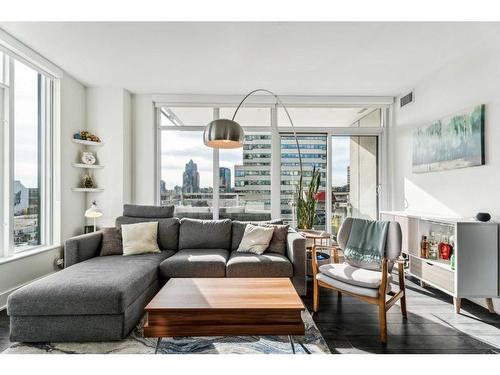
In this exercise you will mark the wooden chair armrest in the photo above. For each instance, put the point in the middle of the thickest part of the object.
(314, 261)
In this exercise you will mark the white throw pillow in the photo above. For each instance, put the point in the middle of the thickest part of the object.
(140, 238)
(256, 239)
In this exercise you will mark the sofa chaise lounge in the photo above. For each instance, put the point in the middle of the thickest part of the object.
(101, 298)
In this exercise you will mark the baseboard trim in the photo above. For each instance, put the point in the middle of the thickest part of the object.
(5, 295)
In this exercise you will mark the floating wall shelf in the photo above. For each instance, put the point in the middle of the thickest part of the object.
(85, 190)
(86, 143)
(87, 166)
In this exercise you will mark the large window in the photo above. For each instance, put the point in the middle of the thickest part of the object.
(186, 172)
(238, 183)
(26, 107)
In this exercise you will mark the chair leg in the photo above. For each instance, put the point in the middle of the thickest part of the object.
(402, 287)
(315, 295)
(383, 322)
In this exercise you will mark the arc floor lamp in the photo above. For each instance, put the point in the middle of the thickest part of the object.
(226, 134)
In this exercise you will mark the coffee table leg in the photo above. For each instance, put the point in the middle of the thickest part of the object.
(301, 344)
(157, 344)
(291, 343)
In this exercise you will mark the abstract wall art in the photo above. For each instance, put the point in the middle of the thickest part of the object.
(455, 141)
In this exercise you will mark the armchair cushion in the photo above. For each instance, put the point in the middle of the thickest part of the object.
(350, 288)
(353, 275)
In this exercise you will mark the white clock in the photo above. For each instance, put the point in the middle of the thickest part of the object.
(88, 158)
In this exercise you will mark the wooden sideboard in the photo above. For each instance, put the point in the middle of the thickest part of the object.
(475, 274)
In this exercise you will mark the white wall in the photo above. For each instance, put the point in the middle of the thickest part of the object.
(472, 80)
(19, 271)
(73, 119)
(144, 150)
(109, 116)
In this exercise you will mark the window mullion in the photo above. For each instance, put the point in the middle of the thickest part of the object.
(215, 169)
(8, 201)
(275, 166)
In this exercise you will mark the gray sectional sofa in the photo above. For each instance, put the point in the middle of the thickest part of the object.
(100, 298)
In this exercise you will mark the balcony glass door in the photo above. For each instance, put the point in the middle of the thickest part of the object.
(354, 178)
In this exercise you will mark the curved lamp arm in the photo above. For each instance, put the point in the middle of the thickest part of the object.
(278, 100)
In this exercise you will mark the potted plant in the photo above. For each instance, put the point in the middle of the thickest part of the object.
(306, 201)
(306, 214)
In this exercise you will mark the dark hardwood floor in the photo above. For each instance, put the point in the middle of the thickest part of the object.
(351, 326)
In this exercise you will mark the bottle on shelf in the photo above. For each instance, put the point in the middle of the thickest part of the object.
(433, 247)
(444, 248)
(424, 247)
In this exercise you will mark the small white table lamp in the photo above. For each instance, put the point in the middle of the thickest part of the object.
(93, 212)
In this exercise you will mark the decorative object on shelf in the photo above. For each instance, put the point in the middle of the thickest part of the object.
(483, 216)
(306, 201)
(93, 212)
(88, 158)
(452, 142)
(85, 135)
(88, 181)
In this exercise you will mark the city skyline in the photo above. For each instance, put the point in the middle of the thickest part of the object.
(177, 145)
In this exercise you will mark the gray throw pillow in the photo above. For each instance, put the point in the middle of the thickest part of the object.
(278, 241)
(111, 242)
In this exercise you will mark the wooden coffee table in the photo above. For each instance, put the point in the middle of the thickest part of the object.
(225, 307)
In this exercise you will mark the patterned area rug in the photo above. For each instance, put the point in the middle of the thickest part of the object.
(137, 344)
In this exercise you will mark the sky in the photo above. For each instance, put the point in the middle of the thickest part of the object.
(26, 125)
(178, 147)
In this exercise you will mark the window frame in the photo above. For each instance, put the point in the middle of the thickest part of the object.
(49, 153)
(217, 101)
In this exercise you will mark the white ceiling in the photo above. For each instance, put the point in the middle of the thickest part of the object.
(231, 58)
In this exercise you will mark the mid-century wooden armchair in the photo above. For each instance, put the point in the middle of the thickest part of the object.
(366, 284)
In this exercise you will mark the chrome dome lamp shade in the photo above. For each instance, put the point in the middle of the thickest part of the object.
(223, 133)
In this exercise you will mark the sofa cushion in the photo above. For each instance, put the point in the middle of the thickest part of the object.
(140, 238)
(135, 210)
(238, 229)
(252, 265)
(168, 229)
(256, 239)
(204, 234)
(100, 285)
(353, 275)
(111, 243)
(278, 241)
(195, 263)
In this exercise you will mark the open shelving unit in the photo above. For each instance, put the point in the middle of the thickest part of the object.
(86, 144)
(475, 245)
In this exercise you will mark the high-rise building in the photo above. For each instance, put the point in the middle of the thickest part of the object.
(224, 180)
(191, 178)
(163, 187)
(313, 153)
(252, 180)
